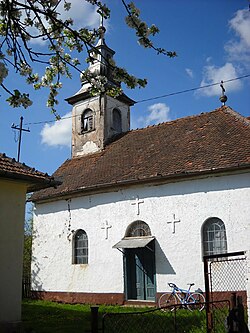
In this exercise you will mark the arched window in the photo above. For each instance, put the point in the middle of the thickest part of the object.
(87, 121)
(80, 251)
(138, 229)
(117, 121)
(214, 237)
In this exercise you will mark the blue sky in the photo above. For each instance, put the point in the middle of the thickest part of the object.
(212, 40)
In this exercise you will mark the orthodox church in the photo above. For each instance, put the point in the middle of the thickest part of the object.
(137, 209)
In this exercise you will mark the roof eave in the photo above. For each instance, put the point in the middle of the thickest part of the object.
(86, 94)
(34, 183)
(42, 185)
(154, 179)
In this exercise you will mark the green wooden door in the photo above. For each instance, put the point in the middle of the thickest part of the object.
(140, 273)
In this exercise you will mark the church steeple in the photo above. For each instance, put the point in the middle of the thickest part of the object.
(95, 119)
(100, 60)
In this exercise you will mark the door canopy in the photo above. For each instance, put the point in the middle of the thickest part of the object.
(138, 235)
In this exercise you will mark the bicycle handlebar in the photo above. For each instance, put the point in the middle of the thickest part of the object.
(172, 285)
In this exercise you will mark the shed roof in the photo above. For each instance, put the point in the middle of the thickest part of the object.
(11, 169)
(202, 144)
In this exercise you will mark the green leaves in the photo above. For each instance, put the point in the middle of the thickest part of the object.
(23, 22)
(3, 72)
(121, 75)
(18, 99)
(143, 31)
(102, 9)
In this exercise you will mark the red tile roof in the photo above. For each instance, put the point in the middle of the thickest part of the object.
(207, 143)
(36, 180)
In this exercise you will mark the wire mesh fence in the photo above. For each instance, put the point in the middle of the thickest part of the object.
(219, 316)
(178, 320)
(227, 276)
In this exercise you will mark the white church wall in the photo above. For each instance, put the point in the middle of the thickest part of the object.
(178, 249)
(248, 287)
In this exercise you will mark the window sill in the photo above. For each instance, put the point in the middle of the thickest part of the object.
(84, 132)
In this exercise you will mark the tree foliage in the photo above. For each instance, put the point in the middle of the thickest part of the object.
(24, 21)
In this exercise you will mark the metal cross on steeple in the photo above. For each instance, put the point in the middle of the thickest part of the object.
(101, 19)
(101, 29)
(20, 129)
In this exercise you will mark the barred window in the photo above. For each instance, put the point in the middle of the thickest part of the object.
(214, 237)
(80, 247)
(87, 121)
(138, 229)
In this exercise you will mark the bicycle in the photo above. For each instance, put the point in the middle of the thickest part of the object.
(182, 298)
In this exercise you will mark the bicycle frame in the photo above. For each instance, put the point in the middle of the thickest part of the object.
(176, 292)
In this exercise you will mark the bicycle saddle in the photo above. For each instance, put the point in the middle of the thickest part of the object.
(191, 284)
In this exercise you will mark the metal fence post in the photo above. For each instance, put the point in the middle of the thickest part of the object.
(241, 316)
(231, 320)
(94, 319)
(248, 286)
(207, 294)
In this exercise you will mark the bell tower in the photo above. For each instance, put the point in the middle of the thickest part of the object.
(96, 119)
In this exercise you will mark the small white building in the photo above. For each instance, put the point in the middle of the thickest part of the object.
(16, 180)
(138, 209)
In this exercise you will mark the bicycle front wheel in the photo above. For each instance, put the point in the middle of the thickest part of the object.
(196, 301)
(167, 302)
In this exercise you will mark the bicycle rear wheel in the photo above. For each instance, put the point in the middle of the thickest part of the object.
(196, 301)
(167, 302)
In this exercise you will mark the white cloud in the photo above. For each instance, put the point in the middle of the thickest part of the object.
(241, 24)
(83, 13)
(237, 55)
(58, 134)
(213, 74)
(158, 113)
(189, 72)
(239, 49)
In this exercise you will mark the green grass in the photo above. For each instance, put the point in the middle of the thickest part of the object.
(47, 317)
(41, 317)
(50, 317)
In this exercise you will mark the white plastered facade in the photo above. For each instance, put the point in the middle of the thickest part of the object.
(178, 251)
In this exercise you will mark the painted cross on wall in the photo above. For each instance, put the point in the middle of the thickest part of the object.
(106, 227)
(173, 222)
(137, 203)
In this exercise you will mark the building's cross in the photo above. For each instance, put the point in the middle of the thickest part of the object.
(174, 220)
(137, 203)
(102, 29)
(106, 227)
(20, 129)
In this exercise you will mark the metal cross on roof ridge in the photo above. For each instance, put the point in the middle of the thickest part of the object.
(223, 97)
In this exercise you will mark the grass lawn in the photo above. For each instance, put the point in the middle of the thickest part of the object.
(48, 317)
(51, 317)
